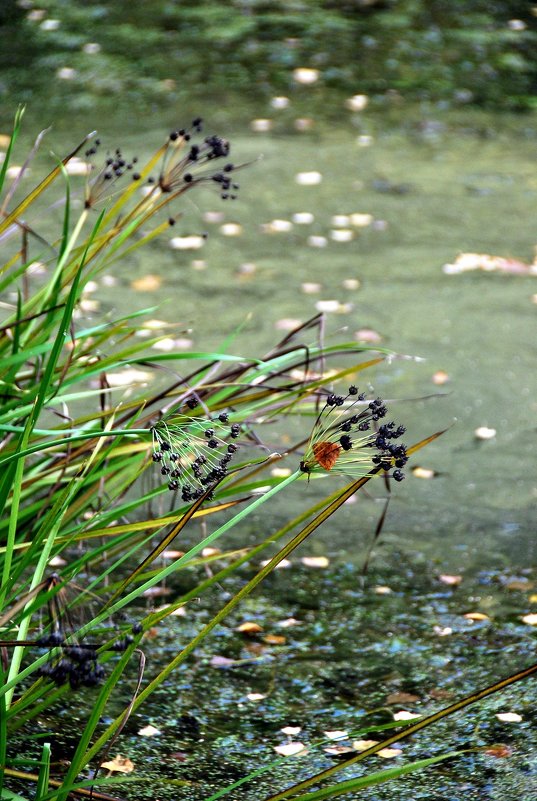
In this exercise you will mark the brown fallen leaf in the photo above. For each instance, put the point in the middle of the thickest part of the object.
(119, 764)
(249, 628)
(274, 639)
(402, 698)
(498, 750)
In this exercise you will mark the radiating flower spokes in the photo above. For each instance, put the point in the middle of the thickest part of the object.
(346, 438)
(194, 453)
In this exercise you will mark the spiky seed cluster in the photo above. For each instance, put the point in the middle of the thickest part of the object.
(184, 158)
(195, 454)
(348, 440)
(115, 166)
(78, 663)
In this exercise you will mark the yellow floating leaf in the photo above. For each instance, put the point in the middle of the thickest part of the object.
(315, 561)
(382, 590)
(147, 283)
(249, 627)
(520, 585)
(363, 745)
(440, 378)
(274, 639)
(423, 472)
(389, 753)
(119, 764)
(476, 616)
(533, 599)
(206, 552)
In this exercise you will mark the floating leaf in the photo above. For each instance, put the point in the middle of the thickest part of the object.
(149, 731)
(119, 764)
(509, 717)
(291, 749)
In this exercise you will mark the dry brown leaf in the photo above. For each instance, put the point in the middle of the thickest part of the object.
(519, 584)
(498, 750)
(402, 698)
(119, 764)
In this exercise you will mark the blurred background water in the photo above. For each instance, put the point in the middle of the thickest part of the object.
(383, 140)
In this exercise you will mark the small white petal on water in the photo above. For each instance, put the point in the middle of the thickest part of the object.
(310, 288)
(303, 218)
(129, 376)
(340, 220)
(261, 125)
(315, 561)
(350, 283)
(305, 75)
(215, 217)
(76, 166)
(336, 735)
(317, 241)
(91, 48)
(360, 220)
(287, 324)
(193, 242)
(356, 102)
(280, 102)
(341, 235)
(291, 749)
(255, 696)
(364, 140)
(231, 229)
(303, 124)
(291, 731)
(509, 717)
(66, 73)
(149, 731)
(483, 432)
(311, 178)
(404, 715)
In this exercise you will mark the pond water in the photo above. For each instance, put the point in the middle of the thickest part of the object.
(433, 188)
